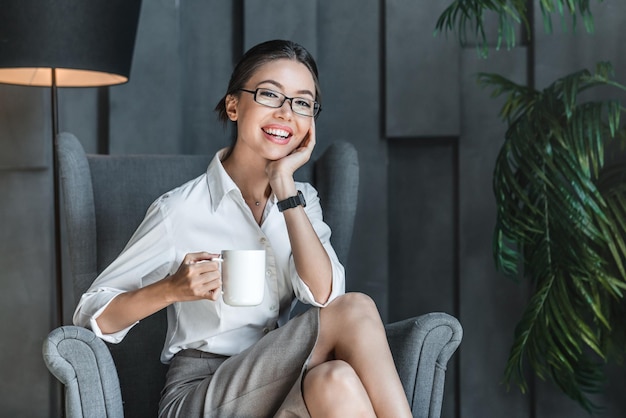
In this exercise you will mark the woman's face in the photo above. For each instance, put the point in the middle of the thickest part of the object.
(272, 133)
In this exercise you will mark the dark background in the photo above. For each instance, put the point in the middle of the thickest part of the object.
(427, 138)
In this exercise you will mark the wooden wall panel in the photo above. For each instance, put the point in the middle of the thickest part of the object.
(551, 402)
(25, 126)
(422, 227)
(212, 29)
(280, 19)
(145, 114)
(565, 51)
(349, 63)
(26, 282)
(85, 113)
(423, 272)
(421, 72)
(490, 304)
(26, 291)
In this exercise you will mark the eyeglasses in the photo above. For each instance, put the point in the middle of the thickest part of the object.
(299, 105)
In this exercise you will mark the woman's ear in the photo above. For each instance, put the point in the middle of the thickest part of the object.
(231, 107)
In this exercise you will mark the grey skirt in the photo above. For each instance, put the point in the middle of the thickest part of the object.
(263, 381)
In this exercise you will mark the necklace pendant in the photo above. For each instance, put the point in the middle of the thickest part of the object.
(257, 203)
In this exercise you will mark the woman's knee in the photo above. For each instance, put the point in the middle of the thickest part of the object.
(355, 305)
(333, 381)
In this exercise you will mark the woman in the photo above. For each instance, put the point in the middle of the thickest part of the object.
(331, 361)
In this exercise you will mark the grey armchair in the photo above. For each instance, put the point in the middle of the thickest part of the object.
(105, 198)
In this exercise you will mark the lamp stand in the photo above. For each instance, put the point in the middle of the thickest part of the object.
(58, 252)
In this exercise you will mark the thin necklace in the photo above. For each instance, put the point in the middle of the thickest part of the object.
(258, 202)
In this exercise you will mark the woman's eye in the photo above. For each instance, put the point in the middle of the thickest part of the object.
(303, 103)
(268, 93)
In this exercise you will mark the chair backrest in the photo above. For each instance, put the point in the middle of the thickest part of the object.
(105, 199)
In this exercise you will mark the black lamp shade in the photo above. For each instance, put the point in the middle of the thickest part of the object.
(88, 42)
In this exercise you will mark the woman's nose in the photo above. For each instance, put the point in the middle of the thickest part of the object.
(286, 108)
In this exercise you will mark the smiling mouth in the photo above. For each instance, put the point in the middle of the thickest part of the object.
(279, 134)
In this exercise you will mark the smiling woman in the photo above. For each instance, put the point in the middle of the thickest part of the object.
(275, 85)
(252, 361)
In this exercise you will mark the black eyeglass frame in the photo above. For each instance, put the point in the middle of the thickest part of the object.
(317, 108)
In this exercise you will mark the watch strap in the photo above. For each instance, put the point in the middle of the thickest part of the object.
(291, 202)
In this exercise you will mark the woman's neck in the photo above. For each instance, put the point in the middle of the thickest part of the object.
(249, 175)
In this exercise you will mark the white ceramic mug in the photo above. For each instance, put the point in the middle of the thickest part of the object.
(243, 277)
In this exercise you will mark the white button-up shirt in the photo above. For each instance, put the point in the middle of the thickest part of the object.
(209, 214)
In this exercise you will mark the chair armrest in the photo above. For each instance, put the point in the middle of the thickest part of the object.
(421, 348)
(83, 363)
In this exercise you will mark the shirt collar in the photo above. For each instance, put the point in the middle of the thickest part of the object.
(218, 180)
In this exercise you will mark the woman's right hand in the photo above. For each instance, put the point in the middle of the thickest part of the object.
(198, 277)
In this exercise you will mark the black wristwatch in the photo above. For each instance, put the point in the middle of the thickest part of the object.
(292, 202)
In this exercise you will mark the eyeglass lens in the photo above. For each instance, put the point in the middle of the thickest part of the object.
(299, 105)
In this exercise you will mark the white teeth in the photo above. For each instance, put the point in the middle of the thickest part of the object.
(277, 132)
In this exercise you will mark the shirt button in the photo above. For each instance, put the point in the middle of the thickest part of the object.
(266, 330)
(269, 272)
(273, 307)
(262, 240)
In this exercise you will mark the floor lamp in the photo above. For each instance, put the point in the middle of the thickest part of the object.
(66, 43)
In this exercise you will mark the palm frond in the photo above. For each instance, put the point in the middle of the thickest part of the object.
(467, 17)
(561, 222)
(571, 7)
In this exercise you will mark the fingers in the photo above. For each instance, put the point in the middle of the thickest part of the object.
(206, 279)
(312, 138)
(309, 140)
(193, 258)
(214, 294)
(198, 277)
(207, 285)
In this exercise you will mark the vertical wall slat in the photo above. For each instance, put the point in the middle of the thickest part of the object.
(490, 304)
(27, 290)
(295, 20)
(145, 113)
(349, 62)
(422, 72)
(422, 264)
(25, 127)
(27, 302)
(421, 227)
(209, 26)
(79, 113)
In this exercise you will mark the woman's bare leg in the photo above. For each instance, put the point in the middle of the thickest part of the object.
(333, 390)
(351, 330)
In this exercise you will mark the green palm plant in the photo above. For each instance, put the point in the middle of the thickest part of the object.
(464, 15)
(561, 208)
(561, 223)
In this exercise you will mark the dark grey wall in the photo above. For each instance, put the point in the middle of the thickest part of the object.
(427, 137)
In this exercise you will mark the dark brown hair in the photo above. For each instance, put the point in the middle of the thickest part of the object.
(262, 54)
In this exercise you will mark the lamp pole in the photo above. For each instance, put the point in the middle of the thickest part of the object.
(58, 252)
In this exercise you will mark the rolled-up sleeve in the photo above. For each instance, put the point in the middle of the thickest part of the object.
(147, 258)
(314, 212)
